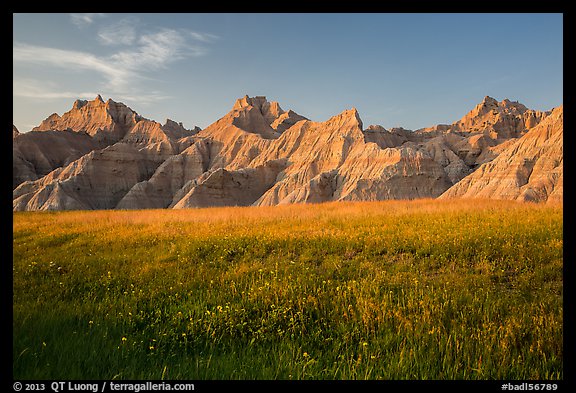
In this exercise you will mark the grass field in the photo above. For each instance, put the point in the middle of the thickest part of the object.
(386, 290)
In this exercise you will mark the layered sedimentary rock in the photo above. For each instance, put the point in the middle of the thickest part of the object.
(230, 143)
(384, 138)
(104, 121)
(530, 169)
(316, 146)
(170, 177)
(103, 155)
(73, 161)
(330, 160)
(499, 120)
(97, 180)
(310, 149)
(35, 153)
(392, 173)
(241, 187)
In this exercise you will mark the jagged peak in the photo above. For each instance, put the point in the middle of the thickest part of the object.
(272, 107)
(259, 102)
(506, 103)
(356, 115)
(179, 128)
(492, 103)
(79, 104)
(347, 117)
(170, 122)
(242, 102)
(487, 104)
(257, 113)
(489, 100)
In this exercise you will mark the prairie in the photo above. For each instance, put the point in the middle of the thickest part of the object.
(423, 289)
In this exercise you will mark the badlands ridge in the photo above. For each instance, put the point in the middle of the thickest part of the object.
(103, 155)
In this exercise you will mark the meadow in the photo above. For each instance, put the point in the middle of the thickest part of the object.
(373, 290)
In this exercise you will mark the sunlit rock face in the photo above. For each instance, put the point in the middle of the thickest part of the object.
(529, 169)
(103, 155)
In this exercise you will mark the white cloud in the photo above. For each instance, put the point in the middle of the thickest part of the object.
(204, 37)
(156, 51)
(68, 59)
(82, 20)
(119, 73)
(142, 99)
(31, 88)
(122, 32)
(47, 90)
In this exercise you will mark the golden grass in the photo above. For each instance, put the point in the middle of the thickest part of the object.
(418, 289)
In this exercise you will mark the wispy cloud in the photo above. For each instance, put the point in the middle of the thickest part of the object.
(122, 32)
(156, 51)
(68, 59)
(135, 58)
(43, 90)
(86, 19)
(203, 37)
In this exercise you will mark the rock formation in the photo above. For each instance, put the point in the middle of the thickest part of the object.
(498, 120)
(90, 157)
(104, 121)
(231, 188)
(171, 176)
(530, 169)
(36, 153)
(97, 180)
(103, 155)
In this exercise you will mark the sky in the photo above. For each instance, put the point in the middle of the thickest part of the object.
(398, 70)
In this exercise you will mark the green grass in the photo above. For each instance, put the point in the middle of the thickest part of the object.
(387, 290)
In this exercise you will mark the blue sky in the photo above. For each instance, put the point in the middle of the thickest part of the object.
(409, 70)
